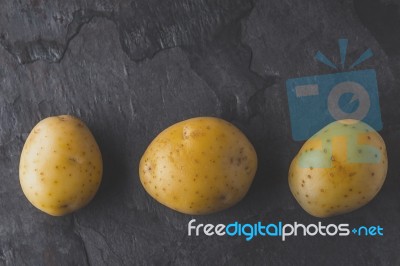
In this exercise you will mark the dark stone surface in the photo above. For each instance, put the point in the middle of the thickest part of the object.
(132, 68)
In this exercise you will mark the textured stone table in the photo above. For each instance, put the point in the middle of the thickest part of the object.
(132, 68)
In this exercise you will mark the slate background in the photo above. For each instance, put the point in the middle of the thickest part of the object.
(132, 68)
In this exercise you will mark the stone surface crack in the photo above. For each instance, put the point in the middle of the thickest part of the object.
(75, 229)
(144, 28)
(49, 50)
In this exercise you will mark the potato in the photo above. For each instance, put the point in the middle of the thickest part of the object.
(199, 166)
(340, 169)
(61, 166)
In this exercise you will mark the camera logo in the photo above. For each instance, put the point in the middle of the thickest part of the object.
(316, 101)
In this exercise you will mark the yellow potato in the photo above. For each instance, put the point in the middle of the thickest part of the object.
(339, 169)
(61, 166)
(199, 166)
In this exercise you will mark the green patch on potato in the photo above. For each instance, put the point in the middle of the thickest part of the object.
(340, 169)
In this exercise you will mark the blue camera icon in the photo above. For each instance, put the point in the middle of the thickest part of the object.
(316, 101)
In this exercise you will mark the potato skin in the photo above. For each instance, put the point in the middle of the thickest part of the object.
(340, 169)
(199, 166)
(60, 166)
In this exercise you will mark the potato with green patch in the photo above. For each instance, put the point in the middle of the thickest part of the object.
(60, 166)
(340, 169)
(199, 166)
